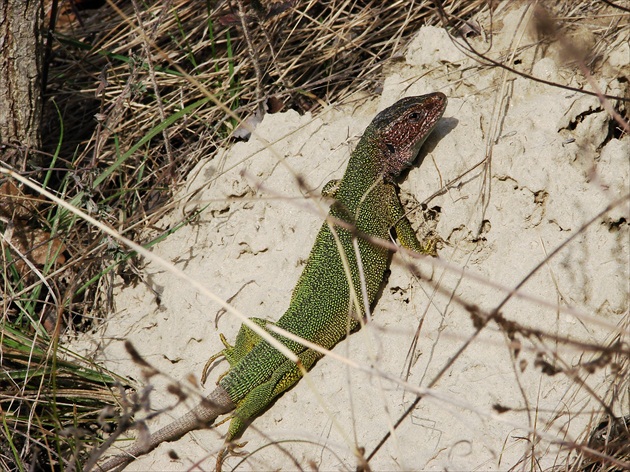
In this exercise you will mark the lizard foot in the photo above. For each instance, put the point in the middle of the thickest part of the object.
(230, 449)
(206, 368)
(431, 243)
(246, 340)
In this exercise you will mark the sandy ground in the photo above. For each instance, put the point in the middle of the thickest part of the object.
(553, 169)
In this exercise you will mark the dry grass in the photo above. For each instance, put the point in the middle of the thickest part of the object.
(128, 116)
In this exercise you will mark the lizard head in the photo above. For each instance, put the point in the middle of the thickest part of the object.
(401, 129)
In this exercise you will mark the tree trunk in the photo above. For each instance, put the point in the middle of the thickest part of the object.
(21, 53)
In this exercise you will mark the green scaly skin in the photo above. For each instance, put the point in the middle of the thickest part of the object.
(322, 309)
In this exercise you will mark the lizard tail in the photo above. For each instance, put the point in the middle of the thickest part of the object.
(202, 416)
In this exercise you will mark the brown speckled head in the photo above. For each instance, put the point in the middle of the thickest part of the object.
(401, 129)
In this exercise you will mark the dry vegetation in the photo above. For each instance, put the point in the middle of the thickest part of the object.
(137, 93)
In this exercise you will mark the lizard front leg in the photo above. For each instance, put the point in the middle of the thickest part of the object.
(404, 232)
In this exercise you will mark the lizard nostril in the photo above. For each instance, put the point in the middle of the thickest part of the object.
(390, 148)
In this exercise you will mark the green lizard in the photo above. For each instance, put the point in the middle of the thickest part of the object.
(325, 306)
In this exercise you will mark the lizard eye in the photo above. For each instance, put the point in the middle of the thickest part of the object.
(415, 116)
(390, 148)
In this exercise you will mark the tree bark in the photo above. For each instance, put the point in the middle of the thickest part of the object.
(21, 53)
